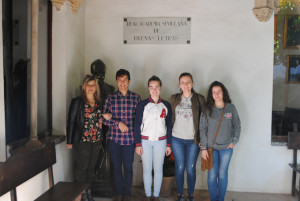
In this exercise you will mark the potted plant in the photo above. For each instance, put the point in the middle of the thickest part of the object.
(168, 175)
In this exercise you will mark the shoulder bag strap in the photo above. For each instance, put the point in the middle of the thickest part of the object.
(219, 124)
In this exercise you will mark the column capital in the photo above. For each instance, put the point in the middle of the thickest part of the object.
(75, 4)
(263, 9)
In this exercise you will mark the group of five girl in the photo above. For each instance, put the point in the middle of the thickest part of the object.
(162, 127)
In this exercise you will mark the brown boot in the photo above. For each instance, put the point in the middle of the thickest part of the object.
(155, 198)
(127, 198)
(147, 198)
(118, 198)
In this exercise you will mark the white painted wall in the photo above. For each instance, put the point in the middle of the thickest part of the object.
(68, 61)
(228, 44)
(67, 71)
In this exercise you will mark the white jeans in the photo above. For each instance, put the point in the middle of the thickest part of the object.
(153, 156)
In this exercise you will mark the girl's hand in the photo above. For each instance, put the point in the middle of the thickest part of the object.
(230, 146)
(107, 116)
(204, 154)
(168, 151)
(139, 150)
(200, 145)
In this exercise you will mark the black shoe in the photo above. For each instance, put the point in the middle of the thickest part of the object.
(84, 197)
(118, 198)
(190, 198)
(180, 198)
(89, 195)
(127, 198)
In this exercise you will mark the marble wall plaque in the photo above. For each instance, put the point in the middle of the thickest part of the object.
(157, 30)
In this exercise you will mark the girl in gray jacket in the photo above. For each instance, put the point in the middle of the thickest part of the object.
(218, 105)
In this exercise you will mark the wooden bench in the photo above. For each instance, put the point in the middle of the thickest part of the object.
(294, 143)
(27, 163)
(66, 191)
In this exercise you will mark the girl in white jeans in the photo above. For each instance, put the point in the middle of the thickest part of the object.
(152, 136)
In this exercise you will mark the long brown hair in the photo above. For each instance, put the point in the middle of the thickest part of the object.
(210, 101)
(86, 80)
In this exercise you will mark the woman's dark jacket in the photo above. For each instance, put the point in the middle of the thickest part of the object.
(198, 102)
(75, 121)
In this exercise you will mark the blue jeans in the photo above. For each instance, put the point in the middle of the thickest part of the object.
(122, 155)
(218, 176)
(186, 154)
(153, 156)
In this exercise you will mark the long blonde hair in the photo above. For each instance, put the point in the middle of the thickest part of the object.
(86, 80)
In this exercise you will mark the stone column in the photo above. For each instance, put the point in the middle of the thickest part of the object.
(34, 69)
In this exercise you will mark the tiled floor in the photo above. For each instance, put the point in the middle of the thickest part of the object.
(201, 195)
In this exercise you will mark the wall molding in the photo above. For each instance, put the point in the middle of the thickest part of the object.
(75, 4)
(263, 9)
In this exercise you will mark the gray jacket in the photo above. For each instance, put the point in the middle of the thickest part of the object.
(229, 131)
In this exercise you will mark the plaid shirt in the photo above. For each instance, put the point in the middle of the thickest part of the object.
(122, 109)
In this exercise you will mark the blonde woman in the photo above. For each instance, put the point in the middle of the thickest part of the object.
(84, 130)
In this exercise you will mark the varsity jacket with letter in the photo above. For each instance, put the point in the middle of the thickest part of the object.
(153, 121)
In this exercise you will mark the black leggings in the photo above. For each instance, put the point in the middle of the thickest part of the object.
(87, 154)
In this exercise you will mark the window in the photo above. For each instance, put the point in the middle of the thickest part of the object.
(286, 72)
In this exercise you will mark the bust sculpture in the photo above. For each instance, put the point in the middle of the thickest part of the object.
(98, 69)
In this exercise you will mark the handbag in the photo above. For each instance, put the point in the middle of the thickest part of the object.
(208, 164)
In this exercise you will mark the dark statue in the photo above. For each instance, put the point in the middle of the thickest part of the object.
(102, 184)
(98, 69)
